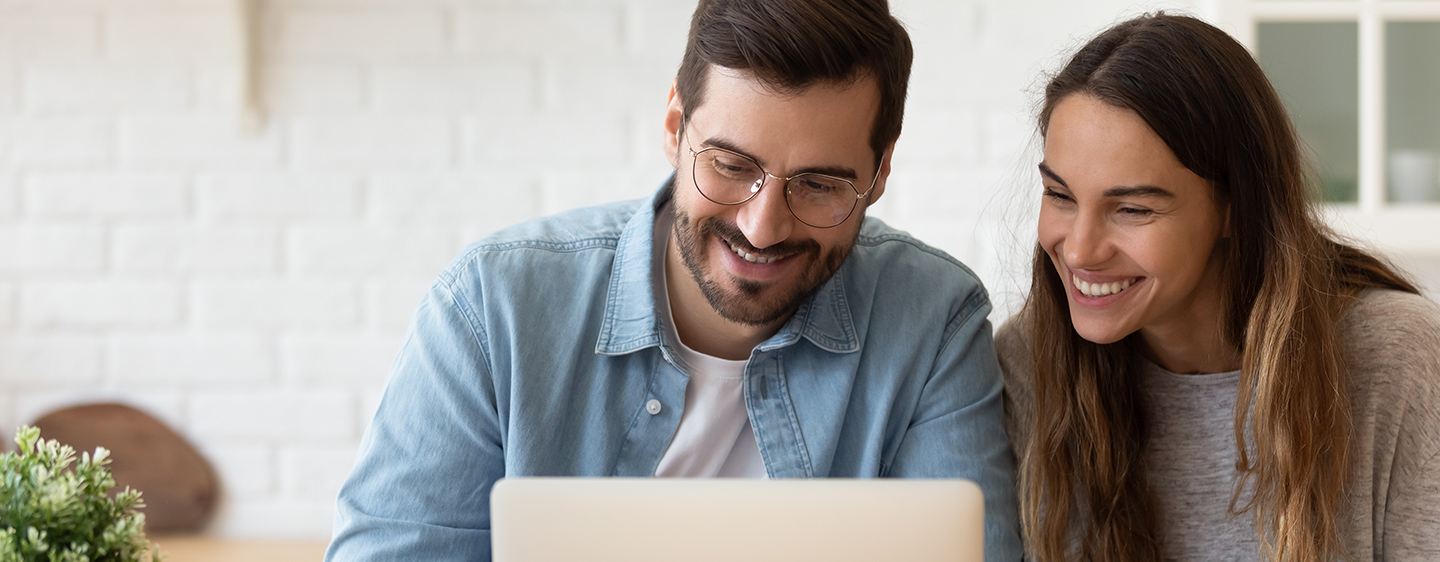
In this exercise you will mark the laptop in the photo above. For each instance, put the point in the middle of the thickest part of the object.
(644, 519)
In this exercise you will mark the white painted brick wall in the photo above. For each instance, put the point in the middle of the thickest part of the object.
(390, 303)
(177, 141)
(55, 141)
(338, 358)
(106, 195)
(67, 89)
(9, 86)
(311, 415)
(245, 470)
(250, 287)
(7, 306)
(54, 361)
(189, 360)
(97, 304)
(39, 32)
(50, 247)
(276, 304)
(201, 250)
(353, 32)
(9, 201)
(279, 196)
(345, 143)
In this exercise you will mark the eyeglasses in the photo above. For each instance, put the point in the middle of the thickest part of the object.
(730, 178)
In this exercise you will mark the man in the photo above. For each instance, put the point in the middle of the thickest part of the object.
(746, 321)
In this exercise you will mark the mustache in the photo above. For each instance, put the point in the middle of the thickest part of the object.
(730, 232)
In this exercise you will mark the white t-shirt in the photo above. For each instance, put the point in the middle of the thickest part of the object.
(714, 438)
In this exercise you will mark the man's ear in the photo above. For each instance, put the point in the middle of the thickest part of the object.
(881, 177)
(674, 114)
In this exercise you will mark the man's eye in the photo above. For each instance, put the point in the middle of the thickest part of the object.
(1135, 212)
(734, 167)
(816, 187)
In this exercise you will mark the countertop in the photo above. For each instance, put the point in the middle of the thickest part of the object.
(211, 549)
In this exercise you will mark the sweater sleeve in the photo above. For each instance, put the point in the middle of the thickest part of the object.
(1409, 360)
(1412, 514)
(1017, 366)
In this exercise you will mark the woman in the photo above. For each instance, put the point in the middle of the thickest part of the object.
(1203, 371)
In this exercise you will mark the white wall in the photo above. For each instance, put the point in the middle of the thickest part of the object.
(251, 288)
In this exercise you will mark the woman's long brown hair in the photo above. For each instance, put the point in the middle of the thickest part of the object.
(1285, 282)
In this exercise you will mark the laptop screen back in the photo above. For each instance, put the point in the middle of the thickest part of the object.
(642, 519)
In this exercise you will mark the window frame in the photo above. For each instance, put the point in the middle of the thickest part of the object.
(1407, 227)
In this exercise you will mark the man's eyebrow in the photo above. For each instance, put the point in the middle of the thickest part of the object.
(837, 171)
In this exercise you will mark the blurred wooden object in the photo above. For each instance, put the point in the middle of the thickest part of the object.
(205, 549)
(179, 487)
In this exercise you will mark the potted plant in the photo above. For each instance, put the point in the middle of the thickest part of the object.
(53, 512)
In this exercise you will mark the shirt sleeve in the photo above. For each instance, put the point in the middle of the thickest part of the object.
(420, 489)
(959, 431)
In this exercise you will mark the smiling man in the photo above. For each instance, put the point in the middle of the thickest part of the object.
(748, 320)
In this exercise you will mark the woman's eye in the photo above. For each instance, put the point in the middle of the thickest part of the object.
(1056, 196)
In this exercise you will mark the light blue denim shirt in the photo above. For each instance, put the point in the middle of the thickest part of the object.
(538, 350)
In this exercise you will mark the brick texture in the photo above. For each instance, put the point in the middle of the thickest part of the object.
(103, 89)
(100, 304)
(50, 361)
(51, 248)
(55, 141)
(201, 250)
(9, 197)
(97, 195)
(276, 303)
(191, 360)
(7, 306)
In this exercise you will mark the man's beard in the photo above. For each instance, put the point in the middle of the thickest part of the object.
(748, 305)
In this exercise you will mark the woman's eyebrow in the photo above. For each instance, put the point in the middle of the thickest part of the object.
(1044, 169)
(1139, 191)
(1143, 190)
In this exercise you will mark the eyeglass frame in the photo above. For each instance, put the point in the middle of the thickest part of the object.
(684, 123)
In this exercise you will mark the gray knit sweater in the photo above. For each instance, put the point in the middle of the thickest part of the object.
(1392, 509)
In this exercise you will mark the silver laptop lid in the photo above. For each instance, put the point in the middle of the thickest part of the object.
(643, 519)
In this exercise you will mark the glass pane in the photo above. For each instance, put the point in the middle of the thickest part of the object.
(1412, 111)
(1316, 68)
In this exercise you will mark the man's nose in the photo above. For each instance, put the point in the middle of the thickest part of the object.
(766, 219)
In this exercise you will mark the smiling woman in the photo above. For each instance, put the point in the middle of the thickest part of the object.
(1198, 370)
(1107, 223)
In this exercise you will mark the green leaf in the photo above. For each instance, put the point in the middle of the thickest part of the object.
(53, 509)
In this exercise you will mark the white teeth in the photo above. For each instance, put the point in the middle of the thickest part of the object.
(752, 258)
(1100, 289)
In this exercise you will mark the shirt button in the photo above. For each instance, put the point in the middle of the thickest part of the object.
(653, 406)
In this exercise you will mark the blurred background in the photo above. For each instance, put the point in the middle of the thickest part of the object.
(223, 212)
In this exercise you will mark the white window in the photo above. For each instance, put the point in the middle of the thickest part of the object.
(1361, 79)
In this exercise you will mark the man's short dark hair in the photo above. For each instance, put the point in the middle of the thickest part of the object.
(790, 45)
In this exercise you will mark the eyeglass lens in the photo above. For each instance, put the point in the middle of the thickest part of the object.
(730, 179)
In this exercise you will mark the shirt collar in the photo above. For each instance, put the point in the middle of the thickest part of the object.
(632, 321)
